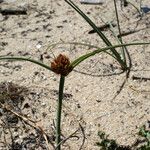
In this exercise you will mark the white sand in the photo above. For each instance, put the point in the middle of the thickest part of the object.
(92, 103)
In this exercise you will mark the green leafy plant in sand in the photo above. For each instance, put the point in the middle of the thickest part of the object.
(109, 144)
(63, 66)
(146, 135)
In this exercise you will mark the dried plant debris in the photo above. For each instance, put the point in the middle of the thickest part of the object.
(12, 93)
(32, 141)
(96, 2)
(15, 128)
(67, 96)
(12, 97)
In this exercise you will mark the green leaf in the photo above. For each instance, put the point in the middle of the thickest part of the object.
(85, 56)
(25, 59)
(102, 36)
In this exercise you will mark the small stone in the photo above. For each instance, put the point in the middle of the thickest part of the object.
(1, 19)
(44, 114)
(78, 105)
(36, 73)
(28, 115)
(43, 104)
(38, 46)
(54, 79)
(26, 105)
(98, 100)
(44, 78)
(47, 56)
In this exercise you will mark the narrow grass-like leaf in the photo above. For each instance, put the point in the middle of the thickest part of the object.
(25, 59)
(77, 43)
(85, 56)
(140, 13)
(103, 37)
(119, 29)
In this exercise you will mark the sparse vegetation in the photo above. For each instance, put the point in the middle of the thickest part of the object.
(109, 144)
(63, 66)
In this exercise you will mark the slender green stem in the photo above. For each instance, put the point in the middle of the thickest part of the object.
(119, 29)
(59, 109)
(83, 57)
(77, 43)
(25, 59)
(103, 37)
(140, 13)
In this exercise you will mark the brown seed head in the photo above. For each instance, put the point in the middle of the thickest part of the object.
(61, 65)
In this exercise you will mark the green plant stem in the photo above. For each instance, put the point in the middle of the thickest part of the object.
(76, 61)
(83, 57)
(25, 59)
(140, 13)
(77, 43)
(103, 37)
(59, 110)
(119, 29)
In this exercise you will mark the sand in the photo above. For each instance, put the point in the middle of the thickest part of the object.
(91, 89)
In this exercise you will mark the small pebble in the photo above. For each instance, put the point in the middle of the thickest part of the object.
(54, 79)
(44, 114)
(1, 19)
(38, 46)
(44, 78)
(78, 105)
(43, 104)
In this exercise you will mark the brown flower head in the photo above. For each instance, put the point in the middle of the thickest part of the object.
(61, 65)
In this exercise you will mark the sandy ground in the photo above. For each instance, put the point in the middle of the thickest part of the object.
(91, 89)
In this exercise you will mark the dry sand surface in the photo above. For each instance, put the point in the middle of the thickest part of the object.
(91, 90)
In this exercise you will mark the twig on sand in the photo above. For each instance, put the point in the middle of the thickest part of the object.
(94, 2)
(13, 12)
(34, 124)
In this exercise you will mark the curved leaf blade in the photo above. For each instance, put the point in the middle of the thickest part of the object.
(26, 59)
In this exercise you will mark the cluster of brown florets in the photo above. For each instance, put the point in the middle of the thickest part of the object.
(61, 65)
